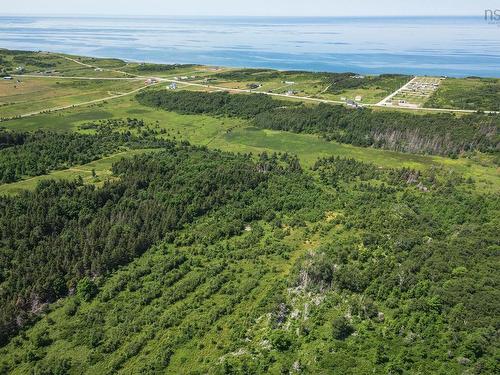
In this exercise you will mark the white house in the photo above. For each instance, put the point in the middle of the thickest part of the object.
(352, 103)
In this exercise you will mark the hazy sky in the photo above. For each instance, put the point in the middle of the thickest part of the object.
(250, 7)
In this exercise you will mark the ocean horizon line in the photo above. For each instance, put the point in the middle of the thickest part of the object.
(90, 15)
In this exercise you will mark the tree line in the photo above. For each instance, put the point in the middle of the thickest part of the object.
(161, 67)
(441, 134)
(218, 103)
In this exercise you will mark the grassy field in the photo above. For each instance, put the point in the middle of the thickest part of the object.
(34, 62)
(35, 94)
(468, 93)
(196, 71)
(108, 63)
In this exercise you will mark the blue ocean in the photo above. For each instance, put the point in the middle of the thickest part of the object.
(451, 46)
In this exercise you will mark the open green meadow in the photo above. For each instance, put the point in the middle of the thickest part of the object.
(38, 94)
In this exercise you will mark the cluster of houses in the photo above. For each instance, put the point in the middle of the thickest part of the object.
(423, 86)
(417, 90)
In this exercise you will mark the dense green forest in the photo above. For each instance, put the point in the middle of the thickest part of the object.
(443, 134)
(197, 261)
(264, 75)
(63, 231)
(190, 260)
(218, 103)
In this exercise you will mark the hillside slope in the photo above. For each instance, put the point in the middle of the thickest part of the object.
(255, 266)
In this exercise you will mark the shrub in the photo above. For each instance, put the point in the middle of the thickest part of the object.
(341, 328)
(86, 289)
(281, 341)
